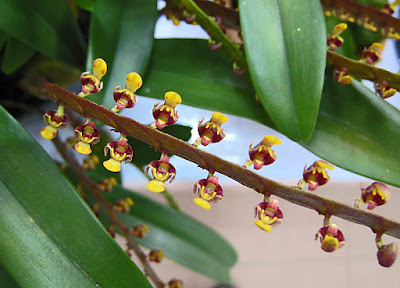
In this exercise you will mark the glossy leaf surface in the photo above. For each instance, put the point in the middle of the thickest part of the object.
(122, 34)
(285, 44)
(49, 236)
(208, 82)
(359, 131)
(182, 238)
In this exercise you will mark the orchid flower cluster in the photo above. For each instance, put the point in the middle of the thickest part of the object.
(208, 190)
(370, 55)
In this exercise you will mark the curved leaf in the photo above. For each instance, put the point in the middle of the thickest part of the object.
(16, 54)
(48, 236)
(359, 131)
(6, 279)
(45, 26)
(285, 44)
(208, 82)
(121, 33)
(85, 4)
(180, 237)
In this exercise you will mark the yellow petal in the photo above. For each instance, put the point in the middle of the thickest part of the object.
(219, 118)
(99, 68)
(48, 132)
(202, 203)
(133, 81)
(83, 148)
(155, 186)
(263, 226)
(339, 28)
(112, 165)
(172, 99)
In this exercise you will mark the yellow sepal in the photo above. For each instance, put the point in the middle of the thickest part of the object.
(112, 165)
(172, 99)
(263, 226)
(156, 186)
(83, 148)
(133, 81)
(324, 164)
(99, 68)
(270, 140)
(202, 203)
(48, 132)
(219, 118)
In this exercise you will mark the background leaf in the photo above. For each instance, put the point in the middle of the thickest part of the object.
(41, 242)
(285, 44)
(182, 238)
(16, 54)
(45, 26)
(144, 154)
(121, 32)
(208, 82)
(85, 4)
(359, 131)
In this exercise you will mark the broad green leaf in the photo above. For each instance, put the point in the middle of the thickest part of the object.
(85, 4)
(180, 237)
(122, 34)
(144, 154)
(6, 280)
(358, 131)
(208, 82)
(48, 236)
(45, 26)
(285, 44)
(16, 54)
(3, 38)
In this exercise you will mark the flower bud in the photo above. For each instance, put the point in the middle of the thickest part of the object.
(387, 254)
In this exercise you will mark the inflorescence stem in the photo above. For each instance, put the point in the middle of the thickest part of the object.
(161, 141)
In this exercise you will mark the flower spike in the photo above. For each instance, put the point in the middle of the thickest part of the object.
(269, 215)
(55, 120)
(87, 135)
(211, 131)
(165, 114)
(262, 154)
(208, 191)
(162, 171)
(92, 84)
(126, 98)
(119, 151)
(315, 175)
(374, 195)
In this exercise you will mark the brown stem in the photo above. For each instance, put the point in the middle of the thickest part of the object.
(161, 141)
(364, 71)
(108, 207)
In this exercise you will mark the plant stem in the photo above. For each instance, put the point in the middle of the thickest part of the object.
(108, 207)
(212, 28)
(161, 141)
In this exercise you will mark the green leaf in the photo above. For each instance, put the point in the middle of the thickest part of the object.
(285, 44)
(85, 4)
(45, 26)
(144, 154)
(180, 237)
(6, 280)
(49, 237)
(208, 82)
(358, 131)
(15, 55)
(122, 34)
